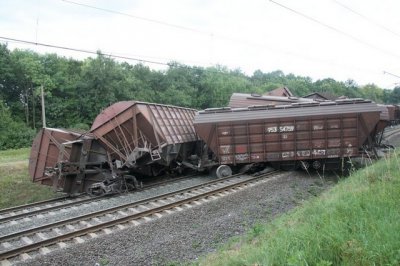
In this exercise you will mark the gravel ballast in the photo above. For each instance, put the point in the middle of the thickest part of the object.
(184, 236)
(107, 202)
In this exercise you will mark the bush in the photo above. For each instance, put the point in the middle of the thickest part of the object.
(13, 134)
(17, 136)
(80, 126)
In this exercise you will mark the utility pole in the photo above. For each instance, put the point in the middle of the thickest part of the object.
(33, 108)
(43, 108)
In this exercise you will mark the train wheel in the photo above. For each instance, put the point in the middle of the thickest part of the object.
(304, 165)
(131, 182)
(95, 191)
(223, 171)
(316, 165)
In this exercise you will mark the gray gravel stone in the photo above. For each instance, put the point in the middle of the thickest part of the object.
(108, 202)
(186, 235)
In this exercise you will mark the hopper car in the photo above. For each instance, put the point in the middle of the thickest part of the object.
(320, 135)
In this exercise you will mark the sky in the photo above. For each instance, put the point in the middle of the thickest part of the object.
(339, 39)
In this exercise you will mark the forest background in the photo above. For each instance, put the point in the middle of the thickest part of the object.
(77, 90)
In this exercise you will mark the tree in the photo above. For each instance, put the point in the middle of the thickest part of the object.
(395, 96)
(13, 134)
(372, 92)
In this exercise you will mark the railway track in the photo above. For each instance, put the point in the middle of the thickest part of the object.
(26, 211)
(389, 132)
(43, 239)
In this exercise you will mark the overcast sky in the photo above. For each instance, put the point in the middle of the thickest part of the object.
(359, 39)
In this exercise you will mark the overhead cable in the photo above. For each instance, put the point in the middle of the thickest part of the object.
(141, 18)
(83, 51)
(367, 18)
(354, 38)
(8, 39)
(212, 35)
(171, 65)
(391, 74)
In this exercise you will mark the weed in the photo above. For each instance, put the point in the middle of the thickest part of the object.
(257, 230)
(196, 244)
(103, 261)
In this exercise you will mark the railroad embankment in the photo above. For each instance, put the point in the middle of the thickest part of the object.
(354, 223)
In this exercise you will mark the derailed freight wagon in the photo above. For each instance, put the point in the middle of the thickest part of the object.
(321, 135)
(68, 160)
(127, 140)
(50, 149)
(136, 134)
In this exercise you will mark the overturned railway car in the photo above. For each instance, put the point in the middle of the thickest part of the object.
(146, 137)
(127, 141)
(321, 135)
(48, 149)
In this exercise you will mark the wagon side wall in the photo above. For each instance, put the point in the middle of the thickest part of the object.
(287, 139)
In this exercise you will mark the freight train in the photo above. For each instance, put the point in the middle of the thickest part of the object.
(132, 141)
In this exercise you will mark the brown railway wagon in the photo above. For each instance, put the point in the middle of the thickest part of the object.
(391, 111)
(296, 132)
(47, 151)
(60, 158)
(388, 116)
(396, 114)
(139, 133)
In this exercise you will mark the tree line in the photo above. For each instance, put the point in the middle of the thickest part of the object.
(77, 90)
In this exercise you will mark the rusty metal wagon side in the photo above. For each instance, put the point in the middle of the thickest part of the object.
(317, 134)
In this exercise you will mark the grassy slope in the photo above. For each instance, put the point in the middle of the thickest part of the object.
(355, 223)
(16, 187)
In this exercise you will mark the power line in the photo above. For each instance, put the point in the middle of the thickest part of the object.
(394, 75)
(180, 27)
(142, 18)
(83, 51)
(391, 74)
(171, 65)
(335, 29)
(379, 25)
(212, 35)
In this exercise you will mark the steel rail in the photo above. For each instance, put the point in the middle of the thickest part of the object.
(31, 205)
(390, 133)
(61, 206)
(108, 210)
(47, 209)
(94, 228)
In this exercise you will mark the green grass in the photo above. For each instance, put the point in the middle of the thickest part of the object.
(9, 156)
(355, 223)
(16, 186)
